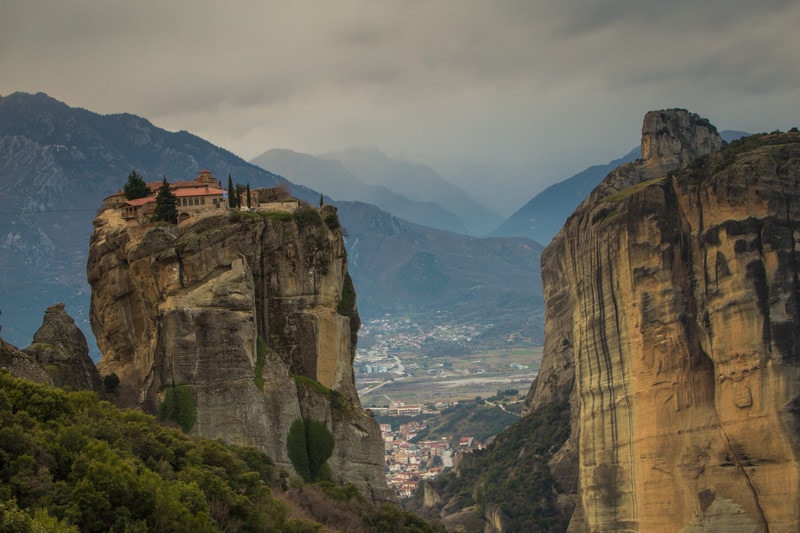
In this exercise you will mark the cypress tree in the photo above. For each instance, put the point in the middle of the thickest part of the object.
(231, 193)
(166, 203)
(135, 187)
(248, 195)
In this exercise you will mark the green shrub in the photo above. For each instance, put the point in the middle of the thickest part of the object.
(297, 449)
(348, 300)
(332, 221)
(178, 406)
(307, 216)
(306, 382)
(309, 446)
(278, 216)
(110, 382)
(320, 448)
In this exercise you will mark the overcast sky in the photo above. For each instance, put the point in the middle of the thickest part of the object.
(528, 92)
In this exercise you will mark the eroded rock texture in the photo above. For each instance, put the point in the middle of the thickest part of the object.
(187, 305)
(58, 356)
(673, 329)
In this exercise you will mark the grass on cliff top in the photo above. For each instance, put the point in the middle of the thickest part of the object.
(630, 191)
(74, 463)
(771, 144)
(303, 381)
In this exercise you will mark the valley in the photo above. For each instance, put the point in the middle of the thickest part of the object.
(435, 363)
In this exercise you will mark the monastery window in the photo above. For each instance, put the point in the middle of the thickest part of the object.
(203, 200)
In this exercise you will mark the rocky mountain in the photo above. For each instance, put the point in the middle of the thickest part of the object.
(668, 394)
(250, 317)
(687, 348)
(545, 214)
(330, 178)
(400, 267)
(417, 182)
(58, 356)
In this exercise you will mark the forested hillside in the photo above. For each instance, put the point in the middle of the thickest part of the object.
(69, 462)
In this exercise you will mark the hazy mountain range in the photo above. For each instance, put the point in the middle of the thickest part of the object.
(57, 163)
(401, 267)
(336, 182)
(411, 191)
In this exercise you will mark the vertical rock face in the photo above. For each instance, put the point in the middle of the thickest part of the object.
(254, 315)
(673, 329)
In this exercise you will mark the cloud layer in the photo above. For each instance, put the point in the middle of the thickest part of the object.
(529, 91)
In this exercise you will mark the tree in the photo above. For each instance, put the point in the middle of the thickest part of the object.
(309, 446)
(240, 190)
(231, 194)
(248, 196)
(111, 382)
(135, 187)
(166, 203)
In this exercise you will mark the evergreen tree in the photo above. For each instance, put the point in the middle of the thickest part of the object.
(135, 187)
(231, 193)
(320, 200)
(240, 190)
(166, 203)
(248, 196)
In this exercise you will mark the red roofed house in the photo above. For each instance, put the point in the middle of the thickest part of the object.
(466, 442)
(201, 195)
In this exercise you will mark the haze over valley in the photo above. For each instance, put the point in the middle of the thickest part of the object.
(438, 267)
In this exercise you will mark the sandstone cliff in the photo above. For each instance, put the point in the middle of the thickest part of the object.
(58, 356)
(253, 315)
(673, 331)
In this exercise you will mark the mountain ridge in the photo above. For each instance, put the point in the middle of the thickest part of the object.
(331, 178)
(56, 177)
(418, 182)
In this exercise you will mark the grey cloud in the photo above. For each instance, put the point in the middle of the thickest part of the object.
(538, 89)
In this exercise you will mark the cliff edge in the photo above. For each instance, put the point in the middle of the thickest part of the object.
(248, 320)
(673, 333)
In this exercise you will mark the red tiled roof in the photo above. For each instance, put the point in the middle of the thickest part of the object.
(140, 201)
(195, 192)
(180, 193)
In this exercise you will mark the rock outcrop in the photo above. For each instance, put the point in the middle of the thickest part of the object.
(61, 348)
(22, 365)
(673, 331)
(253, 314)
(58, 356)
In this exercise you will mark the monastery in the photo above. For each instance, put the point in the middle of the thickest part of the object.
(201, 195)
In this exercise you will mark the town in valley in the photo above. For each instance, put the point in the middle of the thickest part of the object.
(414, 373)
